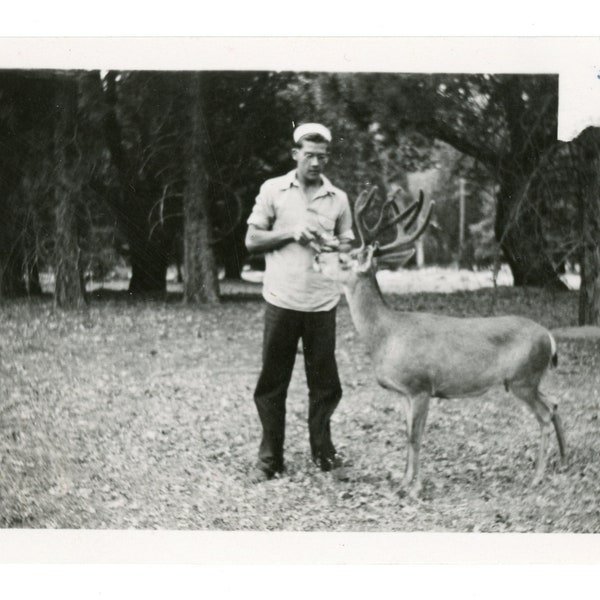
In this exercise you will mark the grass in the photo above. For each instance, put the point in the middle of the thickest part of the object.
(140, 415)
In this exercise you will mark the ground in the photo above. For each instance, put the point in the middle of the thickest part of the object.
(140, 415)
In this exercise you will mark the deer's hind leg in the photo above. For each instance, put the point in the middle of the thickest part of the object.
(544, 415)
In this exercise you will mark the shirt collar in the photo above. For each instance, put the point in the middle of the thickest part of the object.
(290, 180)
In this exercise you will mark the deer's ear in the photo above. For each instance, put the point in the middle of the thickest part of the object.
(366, 261)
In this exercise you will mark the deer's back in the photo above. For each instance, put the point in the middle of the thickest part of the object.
(448, 356)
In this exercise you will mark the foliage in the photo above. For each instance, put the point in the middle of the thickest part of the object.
(442, 184)
(503, 122)
(557, 190)
(363, 151)
(26, 126)
(387, 127)
(485, 249)
(29, 121)
(141, 416)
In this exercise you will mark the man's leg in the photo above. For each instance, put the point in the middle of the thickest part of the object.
(280, 341)
(325, 391)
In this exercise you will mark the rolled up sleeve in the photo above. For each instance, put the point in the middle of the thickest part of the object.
(263, 213)
(344, 221)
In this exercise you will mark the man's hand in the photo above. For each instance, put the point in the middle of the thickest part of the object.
(304, 234)
(328, 243)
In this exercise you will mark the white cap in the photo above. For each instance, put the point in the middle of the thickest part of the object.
(311, 128)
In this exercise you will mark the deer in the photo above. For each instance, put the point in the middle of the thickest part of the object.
(421, 355)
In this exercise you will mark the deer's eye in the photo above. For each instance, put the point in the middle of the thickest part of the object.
(344, 261)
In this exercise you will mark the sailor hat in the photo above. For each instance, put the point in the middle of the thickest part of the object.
(311, 128)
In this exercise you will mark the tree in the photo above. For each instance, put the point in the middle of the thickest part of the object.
(140, 126)
(69, 291)
(566, 190)
(357, 158)
(249, 127)
(200, 280)
(385, 126)
(589, 211)
(146, 125)
(505, 122)
(26, 129)
(530, 109)
(442, 184)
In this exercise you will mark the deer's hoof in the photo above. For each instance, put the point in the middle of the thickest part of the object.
(537, 479)
(412, 491)
(401, 492)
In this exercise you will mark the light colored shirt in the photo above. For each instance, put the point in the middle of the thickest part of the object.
(290, 280)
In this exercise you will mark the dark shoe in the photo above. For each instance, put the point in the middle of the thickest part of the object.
(329, 463)
(260, 476)
(336, 465)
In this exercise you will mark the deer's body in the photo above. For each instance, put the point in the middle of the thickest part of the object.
(417, 352)
(422, 355)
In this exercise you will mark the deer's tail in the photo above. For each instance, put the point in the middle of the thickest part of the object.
(554, 352)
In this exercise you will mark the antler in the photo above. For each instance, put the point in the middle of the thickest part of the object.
(360, 206)
(402, 220)
(402, 240)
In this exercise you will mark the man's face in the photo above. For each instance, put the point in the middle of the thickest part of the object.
(311, 159)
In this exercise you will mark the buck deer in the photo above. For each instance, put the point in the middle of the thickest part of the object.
(422, 355)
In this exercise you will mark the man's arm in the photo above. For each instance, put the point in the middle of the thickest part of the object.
(264, 240)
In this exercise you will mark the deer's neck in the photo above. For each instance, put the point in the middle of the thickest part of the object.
(367, 307)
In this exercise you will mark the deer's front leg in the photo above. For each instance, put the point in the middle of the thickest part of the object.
(416, 409)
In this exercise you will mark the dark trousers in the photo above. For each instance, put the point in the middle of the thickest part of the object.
(283, 329)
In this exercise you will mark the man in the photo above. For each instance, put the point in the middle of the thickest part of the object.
(293, 214)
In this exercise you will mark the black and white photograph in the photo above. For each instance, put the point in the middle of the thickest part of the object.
(355, 293)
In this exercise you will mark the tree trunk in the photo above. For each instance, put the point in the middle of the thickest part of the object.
(31, 274)
(232, 254)
(201, 284)
(19, 274)
(69, 289)
(589, 212)
(34, 287)
(148, 250)
(12, 284)
(518, 225)
(148, 267)
(519, 232)
(589, 292)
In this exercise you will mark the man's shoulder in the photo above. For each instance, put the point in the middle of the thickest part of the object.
(334, 189)
(277, 183)
(340, 195)
(339, 192)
